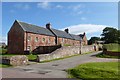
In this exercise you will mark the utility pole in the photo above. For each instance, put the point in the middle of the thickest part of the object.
(80, 46)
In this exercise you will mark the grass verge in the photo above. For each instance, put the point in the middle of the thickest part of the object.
(32, 57)
(98, 70)
(4, 66)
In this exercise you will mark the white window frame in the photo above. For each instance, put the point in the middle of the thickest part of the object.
(28, 48)
(63, 40)
(44, 39)
(49, 40)
(36, 39)
(28, 38)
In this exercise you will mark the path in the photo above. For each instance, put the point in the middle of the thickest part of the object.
(54, 69)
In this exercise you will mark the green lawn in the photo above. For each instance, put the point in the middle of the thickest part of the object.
(94, 70)
(112, 47)
(102, 55)
(4, 66)
(30, 57)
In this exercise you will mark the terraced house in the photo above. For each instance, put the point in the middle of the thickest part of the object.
(27, 37)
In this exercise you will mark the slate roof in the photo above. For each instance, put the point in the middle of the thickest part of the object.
(81, 35)
(61, 34)
(40, 30)
(35, 29)
(76, 37)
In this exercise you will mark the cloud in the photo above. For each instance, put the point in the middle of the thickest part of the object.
(88, 28)
(59, 6)
(44, 5)
(79, 12)
(22, 6)
(76, 9)
(3, 39)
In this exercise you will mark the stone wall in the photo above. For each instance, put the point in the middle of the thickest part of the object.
(65, 51)
(17, 60)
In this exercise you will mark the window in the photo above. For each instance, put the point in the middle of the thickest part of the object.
(28, 48)
(63, 40)
(43, 40)
(36, 39)
(48, 40)
(29, 38)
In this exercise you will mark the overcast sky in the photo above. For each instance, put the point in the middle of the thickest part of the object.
(78, 17)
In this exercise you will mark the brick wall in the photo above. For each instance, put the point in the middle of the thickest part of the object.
(65, 41)
(84, 40)
(16, 39)
(43, 40)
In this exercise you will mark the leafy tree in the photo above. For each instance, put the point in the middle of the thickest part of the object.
(110, 35)
(93, 39)
(119, 36)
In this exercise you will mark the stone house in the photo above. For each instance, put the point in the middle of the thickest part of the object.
(84, 39)
(27, 37)
(2, 45)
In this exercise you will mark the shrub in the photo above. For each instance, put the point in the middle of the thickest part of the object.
(3, 51)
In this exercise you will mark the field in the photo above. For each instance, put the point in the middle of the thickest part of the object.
(112, 47)
(98, 70)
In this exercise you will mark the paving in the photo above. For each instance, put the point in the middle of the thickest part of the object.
(54, 69)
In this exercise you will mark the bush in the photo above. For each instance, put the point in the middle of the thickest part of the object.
(3, 51)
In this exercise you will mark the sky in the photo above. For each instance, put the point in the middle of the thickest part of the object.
(78, 17)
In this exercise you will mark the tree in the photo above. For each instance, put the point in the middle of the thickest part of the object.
(93, 39)
(110, 35)
(119, 36)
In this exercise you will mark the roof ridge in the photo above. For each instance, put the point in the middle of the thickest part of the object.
(20, 24)
(34, 28)
(32, 24)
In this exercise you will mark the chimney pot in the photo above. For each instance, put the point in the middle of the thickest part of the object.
(67, 30)
(48, 25)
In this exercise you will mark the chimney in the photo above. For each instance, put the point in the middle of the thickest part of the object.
(84, 33)
(48, 25)
(66, 30)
